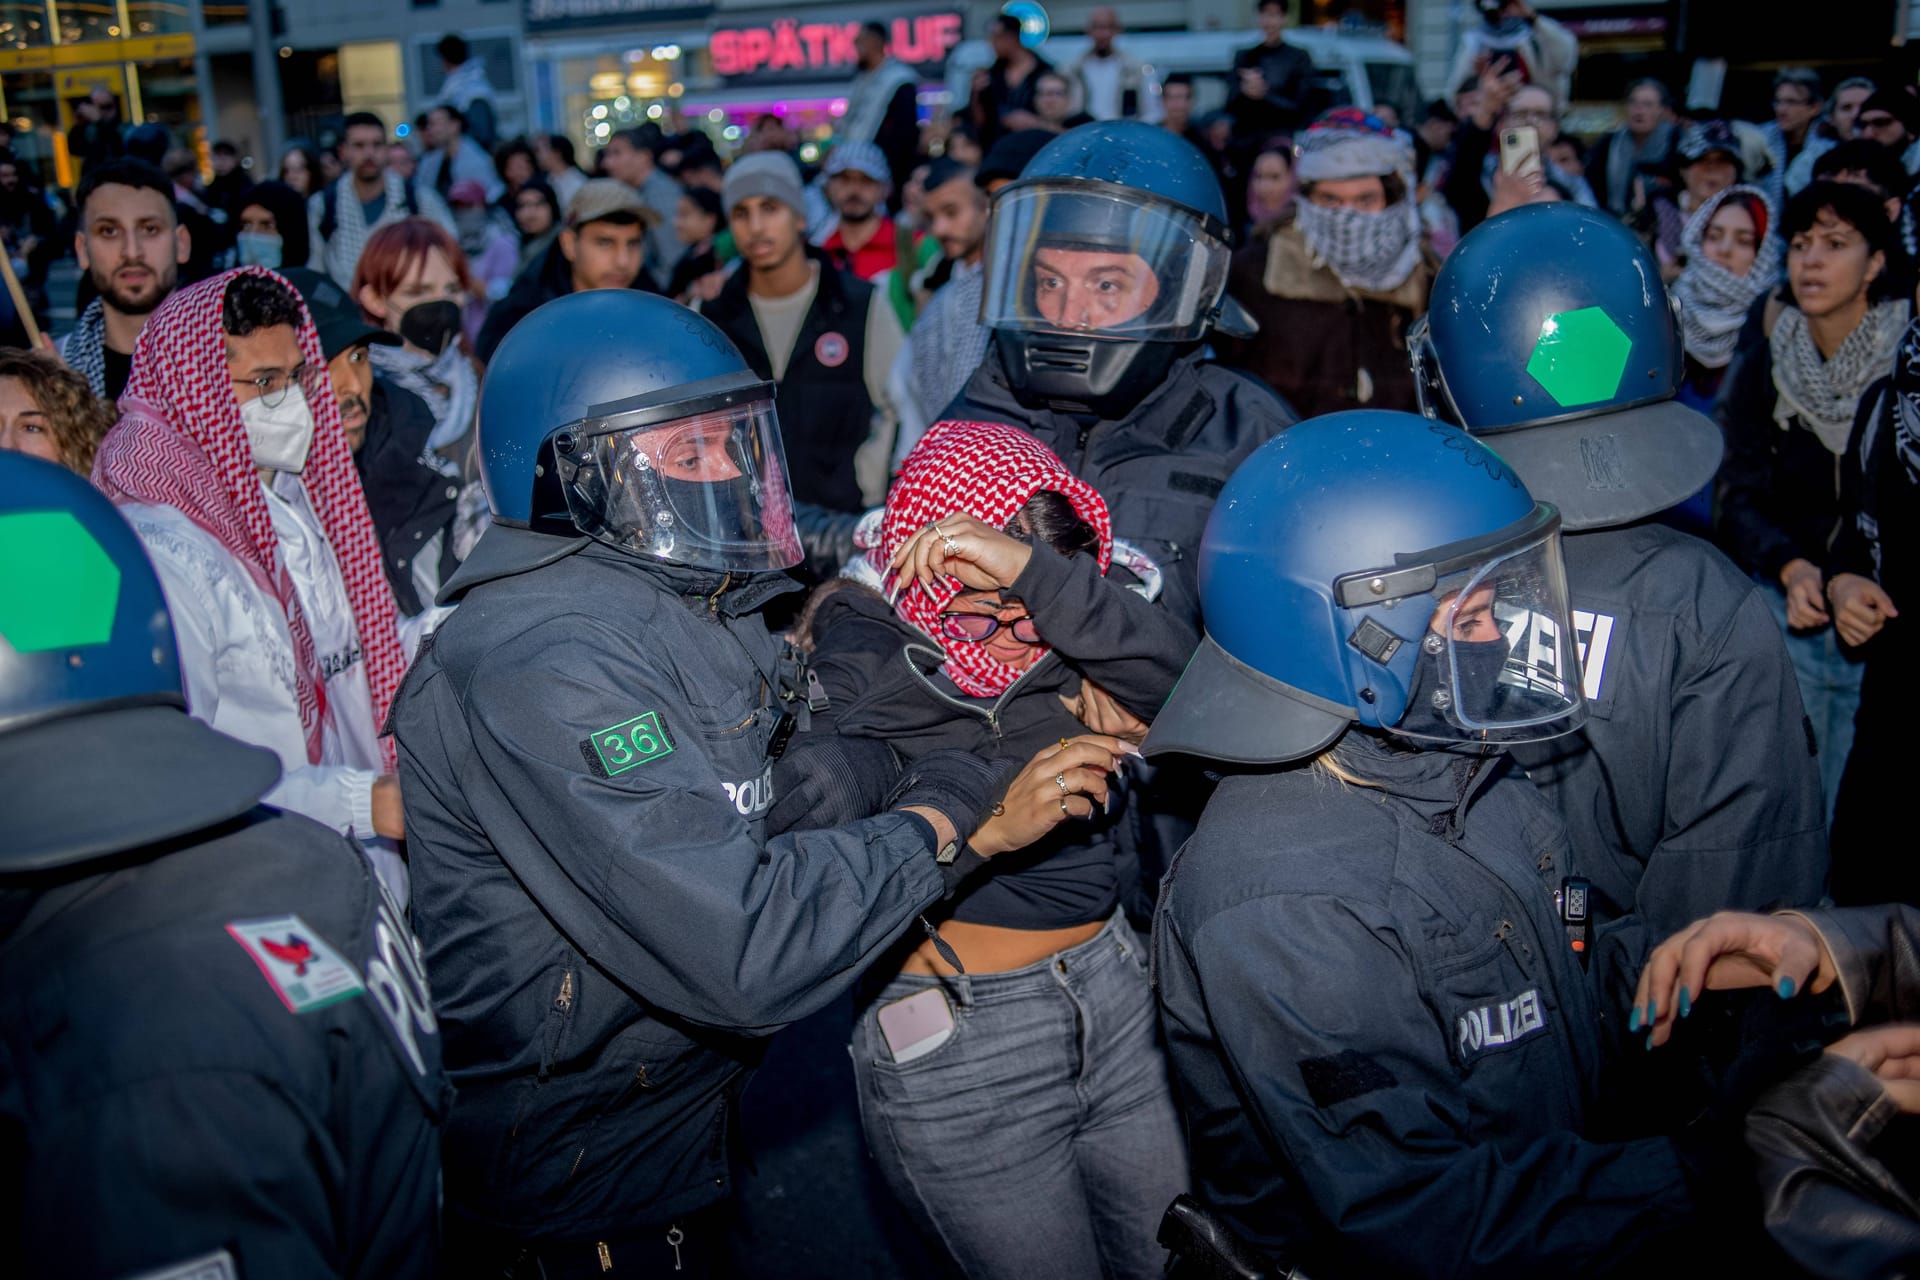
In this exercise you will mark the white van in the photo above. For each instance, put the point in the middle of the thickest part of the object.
(1361, 70)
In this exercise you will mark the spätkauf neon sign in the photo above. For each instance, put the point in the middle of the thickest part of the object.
(789, 49)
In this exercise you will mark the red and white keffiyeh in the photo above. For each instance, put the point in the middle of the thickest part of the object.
(988, 470)
(180, 443)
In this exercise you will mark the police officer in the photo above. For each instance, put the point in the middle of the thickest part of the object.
(1387, 1049)
(588, 753)
(1105, 272)
(1692, 786)
(217, 1054)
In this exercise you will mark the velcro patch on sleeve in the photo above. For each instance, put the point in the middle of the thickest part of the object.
(627, 745)
(1343, 1077)
(304, 971)
(1188, 482)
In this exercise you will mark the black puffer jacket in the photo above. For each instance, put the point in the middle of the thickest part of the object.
(882, 678)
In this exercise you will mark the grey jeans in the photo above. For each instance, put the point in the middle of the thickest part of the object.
(1041, 1139)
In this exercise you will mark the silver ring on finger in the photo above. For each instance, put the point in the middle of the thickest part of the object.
(1064, 811)
(1060, 779)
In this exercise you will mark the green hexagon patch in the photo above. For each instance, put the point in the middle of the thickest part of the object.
(59, 589)
(1580, 357)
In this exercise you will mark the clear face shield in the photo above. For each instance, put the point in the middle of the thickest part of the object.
(1497, 659)
(706, 487)
(1077, 257)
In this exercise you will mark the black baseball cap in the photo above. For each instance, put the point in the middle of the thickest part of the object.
(335, 315)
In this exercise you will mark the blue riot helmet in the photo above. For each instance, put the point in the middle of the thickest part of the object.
(96, 745)
(1105, 261)
(1550, 336)
(1375, 568)
(627, 418)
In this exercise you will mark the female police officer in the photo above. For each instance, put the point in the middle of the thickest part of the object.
(587, 755)
(1386, 1046)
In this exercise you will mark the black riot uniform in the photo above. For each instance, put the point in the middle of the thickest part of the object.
(1692, 786)
(217, 1053)
(587, 756)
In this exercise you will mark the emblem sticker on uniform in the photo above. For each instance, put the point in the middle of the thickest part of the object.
(302, 969)
(628, 744)
(217, 1265)
(1495, 1026)
(830, 349)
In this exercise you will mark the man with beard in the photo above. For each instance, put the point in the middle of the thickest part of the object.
(948, 341)
(413, 502)
(862, 238)
(132, 246)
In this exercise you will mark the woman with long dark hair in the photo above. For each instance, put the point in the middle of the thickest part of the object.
(1006, 630)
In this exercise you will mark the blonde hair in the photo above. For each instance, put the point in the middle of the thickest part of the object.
(1328, 764)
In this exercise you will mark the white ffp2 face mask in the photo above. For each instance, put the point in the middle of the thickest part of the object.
(280, 436)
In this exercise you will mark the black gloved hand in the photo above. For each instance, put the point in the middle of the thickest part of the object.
(959, 784)
(825, 780)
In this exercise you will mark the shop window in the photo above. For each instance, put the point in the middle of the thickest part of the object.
(23, 25)
(156, 17)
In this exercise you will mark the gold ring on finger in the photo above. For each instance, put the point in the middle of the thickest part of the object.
(1061, 779)
(1063, 744)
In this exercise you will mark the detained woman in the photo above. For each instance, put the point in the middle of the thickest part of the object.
(1731, 261)
(1787, 408)
(1388, 1038)
(413, 280)
(1011, 1082)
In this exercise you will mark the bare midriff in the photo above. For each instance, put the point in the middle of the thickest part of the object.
(991, 948)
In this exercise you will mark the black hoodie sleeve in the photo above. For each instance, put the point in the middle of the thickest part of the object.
(1126, 644)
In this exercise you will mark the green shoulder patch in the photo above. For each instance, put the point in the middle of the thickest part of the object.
(628, 744)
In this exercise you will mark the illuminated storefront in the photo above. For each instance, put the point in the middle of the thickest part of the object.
(686, 67)
(54, 53)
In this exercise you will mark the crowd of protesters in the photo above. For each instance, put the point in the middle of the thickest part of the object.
(279, 374)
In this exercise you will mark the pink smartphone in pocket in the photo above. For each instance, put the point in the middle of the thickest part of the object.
(917, 1025)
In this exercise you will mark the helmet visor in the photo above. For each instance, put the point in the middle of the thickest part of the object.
(1500, 651)
(1429, 382)
(1076, 258)
(707, 490)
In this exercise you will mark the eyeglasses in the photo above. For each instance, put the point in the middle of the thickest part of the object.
(1792, 102)
(976, 627)
(273, 386)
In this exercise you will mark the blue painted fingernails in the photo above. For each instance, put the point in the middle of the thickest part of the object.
(1649, 1042)
(1786, 988)
(1633, 1021)
(1686, 1003)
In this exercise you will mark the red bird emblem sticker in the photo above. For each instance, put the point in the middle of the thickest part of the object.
(297, 963)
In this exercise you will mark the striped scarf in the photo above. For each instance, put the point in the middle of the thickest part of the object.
(180, 443)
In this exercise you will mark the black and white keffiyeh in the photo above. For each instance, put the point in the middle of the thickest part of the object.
(1906, 405)
(1375, 252)
(84, 349)
(1713, 300)
(1823, 393)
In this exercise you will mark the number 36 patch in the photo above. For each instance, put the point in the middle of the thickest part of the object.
(626, 745)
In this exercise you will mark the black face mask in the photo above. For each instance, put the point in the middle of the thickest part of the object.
(715, 513)
(1479, 663)
(431, 326)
